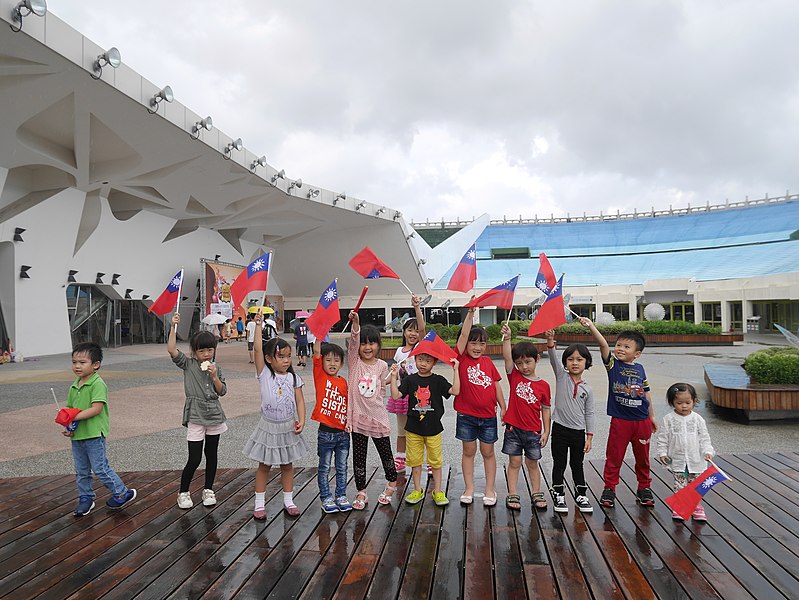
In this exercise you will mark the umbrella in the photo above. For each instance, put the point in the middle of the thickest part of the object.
(302, 314)
(214, 319)
(265, 310)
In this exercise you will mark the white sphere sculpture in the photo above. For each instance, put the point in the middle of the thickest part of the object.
(654, 312)
(605, 318)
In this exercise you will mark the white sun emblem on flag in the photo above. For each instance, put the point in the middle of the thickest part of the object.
(709, 482)
(330, 294)
(176, 282)
(544, 287)
(471, 255)
(258, 264)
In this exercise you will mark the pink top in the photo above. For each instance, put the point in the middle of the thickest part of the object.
(366, 410)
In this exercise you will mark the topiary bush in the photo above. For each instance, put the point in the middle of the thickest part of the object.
(645, 327)
(773, 365)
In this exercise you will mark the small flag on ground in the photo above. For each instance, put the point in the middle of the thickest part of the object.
(685, 501)
(367, 265)
(500, 296)
(434, 346)
(326, 314)
(465, 274)
(169, 297)
(252, 279)
(545, 280)
(551, 314)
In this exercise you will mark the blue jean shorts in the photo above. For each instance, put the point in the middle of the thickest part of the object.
(520, 441)
(469, 429)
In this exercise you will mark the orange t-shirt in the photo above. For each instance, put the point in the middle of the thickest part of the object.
(331, 397)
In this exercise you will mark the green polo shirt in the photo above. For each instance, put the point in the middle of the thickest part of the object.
(82, 397)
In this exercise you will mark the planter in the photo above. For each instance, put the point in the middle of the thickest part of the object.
(660, 339)
(730, 387)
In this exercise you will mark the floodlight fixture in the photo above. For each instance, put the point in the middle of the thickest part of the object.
(261, 161)
(31, 7)
(71, 276)
(360, 205)
(297, 183)
(236, 144)
(217, 256)
(397, 215)
(421, 262)
(18, 231)
(165, 94)
(412, 234)
(23, 271)
(145, 296)
(380, 210)
(281, 174)
(99, 279)
(206, 123)
(110, 57)
(313, 193)
(115, 279)
(127, 294)
(341, 196)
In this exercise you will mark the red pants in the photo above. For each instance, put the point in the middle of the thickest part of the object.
(623, 432)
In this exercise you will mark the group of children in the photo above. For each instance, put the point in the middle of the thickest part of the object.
(355, 409)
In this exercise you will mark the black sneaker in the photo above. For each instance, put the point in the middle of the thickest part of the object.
(117, 502)
(581, 500)
(645, 497)
(85, 506)
(608, 498)
(558, 500)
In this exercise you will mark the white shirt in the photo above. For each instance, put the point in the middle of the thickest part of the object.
(685, 441)
(251, 331)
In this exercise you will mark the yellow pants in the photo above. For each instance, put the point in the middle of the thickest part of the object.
(415, 446)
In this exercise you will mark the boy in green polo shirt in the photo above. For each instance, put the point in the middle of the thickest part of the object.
(89, 393)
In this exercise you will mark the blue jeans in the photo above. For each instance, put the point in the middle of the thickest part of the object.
(469, 429)
(328, 443)
(89, 455)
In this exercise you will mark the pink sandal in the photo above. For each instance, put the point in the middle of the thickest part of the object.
(360, 500)
(387, 494)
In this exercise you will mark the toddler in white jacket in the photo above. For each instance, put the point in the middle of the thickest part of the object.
(683, 443)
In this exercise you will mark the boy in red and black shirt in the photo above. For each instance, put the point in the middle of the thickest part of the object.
(527, 419)
(330, 412)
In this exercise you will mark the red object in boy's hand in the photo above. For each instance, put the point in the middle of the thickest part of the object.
(65, 416)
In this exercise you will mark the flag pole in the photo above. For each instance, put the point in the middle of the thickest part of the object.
(52, 391)
(357, 305)
(269, 268)
(406, 287)
(507, 321)
(180, 293)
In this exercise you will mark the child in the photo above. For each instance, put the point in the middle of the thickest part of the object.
(301, 337)
(572, 422)
(203, 417)
(251, 337)
(528, 411)
(476, 406)
(367, 416)
(425, 392)
(630, 408)
(412, 332)
(683, 442)
(330, 412)
(276, 439)
(89, 429)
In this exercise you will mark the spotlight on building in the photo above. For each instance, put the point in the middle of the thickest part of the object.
(397, 215)
(99, 279)
(313, 193)
(380, 210)
(18, 231)
(71, 276)
(110, 57)
(341, 196)
(360, 205)
(127, 294)
(297, 183)
(206, 123)
(115, 279)
(145, 296)
(164, 95)
(281, 174)
(30, 7)
(234, 145)
(258, 162)
(23, 272)
(412, 234)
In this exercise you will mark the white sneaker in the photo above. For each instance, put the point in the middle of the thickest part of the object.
(209, 498)
(184, 500)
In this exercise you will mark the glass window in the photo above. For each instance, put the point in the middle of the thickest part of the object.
(620, 311)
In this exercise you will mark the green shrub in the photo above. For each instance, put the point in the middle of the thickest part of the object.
(645, 327)
(773, 365)
(494, 333)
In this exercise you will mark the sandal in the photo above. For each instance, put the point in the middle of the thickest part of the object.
(490, 500)
(360, 500)
(466, 499)
(292, 511)
(387, 494)
(513, 502)
(539, 500)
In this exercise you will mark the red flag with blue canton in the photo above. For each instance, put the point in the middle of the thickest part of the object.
(545, 280)
(251, 279)
(326, 314)
(434, 346)
(685, 501)
(169, 297)
(552, 313)
(500, 296)
(368, 266)
(465, 274)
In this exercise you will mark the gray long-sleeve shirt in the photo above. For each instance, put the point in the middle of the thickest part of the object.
(573, 403)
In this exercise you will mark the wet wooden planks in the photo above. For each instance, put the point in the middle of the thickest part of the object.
(749, 548)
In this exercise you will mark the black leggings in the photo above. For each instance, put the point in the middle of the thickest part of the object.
(567, 442)
(195, 456)
(359, 445)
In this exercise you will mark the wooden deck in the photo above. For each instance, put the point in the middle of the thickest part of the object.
(748, 549)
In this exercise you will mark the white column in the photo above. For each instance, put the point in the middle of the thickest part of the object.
(725, 315)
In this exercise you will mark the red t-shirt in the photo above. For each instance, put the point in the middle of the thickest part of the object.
(527, 396)
(478, 397)
(331, 397)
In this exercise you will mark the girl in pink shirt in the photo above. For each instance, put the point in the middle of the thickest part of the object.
(367, 416)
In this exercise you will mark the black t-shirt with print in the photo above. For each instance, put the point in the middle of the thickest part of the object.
(425, 402)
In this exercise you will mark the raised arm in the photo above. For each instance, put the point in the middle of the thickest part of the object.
(260, 361)
(463, 338)
(455, 389)
(172, 338)
(392, 376)
(355, 339)
(604, 347)
(416, 301)
(507, 352)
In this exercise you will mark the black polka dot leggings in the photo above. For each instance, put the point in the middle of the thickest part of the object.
(360, 443)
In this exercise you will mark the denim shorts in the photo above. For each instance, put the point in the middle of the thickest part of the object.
(520, 441)
(469, 429)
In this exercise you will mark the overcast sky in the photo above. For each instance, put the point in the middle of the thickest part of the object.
(454, 108)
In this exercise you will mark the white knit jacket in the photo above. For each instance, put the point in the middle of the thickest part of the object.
(685, 441)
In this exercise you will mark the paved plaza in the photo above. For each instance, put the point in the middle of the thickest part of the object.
(146, 402)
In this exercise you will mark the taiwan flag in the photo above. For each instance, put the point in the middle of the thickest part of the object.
(252, 279)
(368, 266)
(169, 298)
(545, 280)
(500, 296)
(434, 346)
(687, 499)
(326, 314)
(552, 313)
(465, 274)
